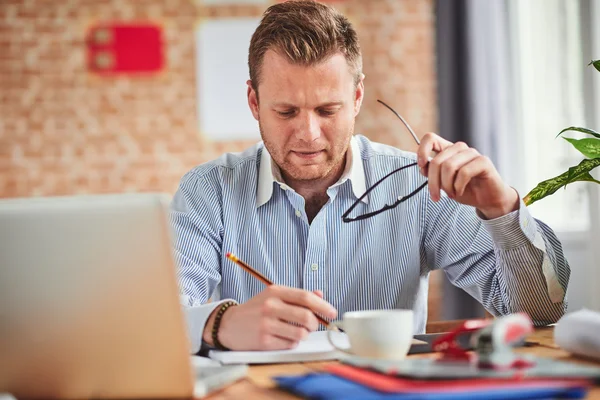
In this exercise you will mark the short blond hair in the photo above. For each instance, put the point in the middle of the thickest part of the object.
(307, 33)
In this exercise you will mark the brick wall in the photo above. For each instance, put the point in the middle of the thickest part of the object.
(64, 130)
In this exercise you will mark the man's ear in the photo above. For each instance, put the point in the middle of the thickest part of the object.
(359, 94)
(252, 99)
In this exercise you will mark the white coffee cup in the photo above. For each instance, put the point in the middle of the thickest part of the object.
(385, 334)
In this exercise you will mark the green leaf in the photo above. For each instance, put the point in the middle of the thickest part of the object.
(583, 130)
(580, 172)
(585, 178)
(588, 147)
(596, 64)
(588, 177)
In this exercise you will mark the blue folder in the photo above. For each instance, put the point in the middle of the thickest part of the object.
(325, 386)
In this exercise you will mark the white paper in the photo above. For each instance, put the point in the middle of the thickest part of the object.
(199, 362)
(577, 333)
(315, 348)
(222, 71)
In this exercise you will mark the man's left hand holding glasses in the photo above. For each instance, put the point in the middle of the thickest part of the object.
(466, 176)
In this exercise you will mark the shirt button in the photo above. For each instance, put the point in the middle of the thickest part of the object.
(283, 187)
(314, 267)
(298, 213)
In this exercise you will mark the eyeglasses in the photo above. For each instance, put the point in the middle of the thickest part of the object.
(400, 199)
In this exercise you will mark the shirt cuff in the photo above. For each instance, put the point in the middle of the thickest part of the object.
(196, 317)
(515, 229)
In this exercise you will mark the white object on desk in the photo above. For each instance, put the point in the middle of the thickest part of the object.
(377, 333)
(314, 348)
(577, 333)
(200, 362)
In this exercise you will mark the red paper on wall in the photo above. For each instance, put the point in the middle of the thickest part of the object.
(121, 48)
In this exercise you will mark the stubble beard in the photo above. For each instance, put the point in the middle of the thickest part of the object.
(335, 159)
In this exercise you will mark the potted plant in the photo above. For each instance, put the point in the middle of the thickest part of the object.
(589, 147)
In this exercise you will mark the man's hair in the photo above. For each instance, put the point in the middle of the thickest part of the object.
(307, 33)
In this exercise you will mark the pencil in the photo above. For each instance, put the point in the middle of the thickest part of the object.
(267, 282)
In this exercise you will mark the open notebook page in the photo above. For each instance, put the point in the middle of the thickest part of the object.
(315, 348)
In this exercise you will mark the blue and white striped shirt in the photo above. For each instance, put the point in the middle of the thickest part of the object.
(239, 204)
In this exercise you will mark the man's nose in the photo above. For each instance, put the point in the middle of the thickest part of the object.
(308, 129)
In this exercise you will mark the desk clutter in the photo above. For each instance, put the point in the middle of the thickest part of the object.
(491, 371)
(365, 385)
(577, 332)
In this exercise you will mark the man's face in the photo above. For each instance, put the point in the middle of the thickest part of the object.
(306, 114)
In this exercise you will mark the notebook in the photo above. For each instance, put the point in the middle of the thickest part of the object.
(315, 348)
(326, 386)
(428, 368)
(394, 384)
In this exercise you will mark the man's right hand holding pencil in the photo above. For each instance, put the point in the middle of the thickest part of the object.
(275, 319)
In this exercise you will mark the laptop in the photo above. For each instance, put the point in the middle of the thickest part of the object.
(89, 302)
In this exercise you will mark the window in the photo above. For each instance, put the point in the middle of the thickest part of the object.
(549, 67)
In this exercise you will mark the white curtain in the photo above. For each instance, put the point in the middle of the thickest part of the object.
(548, 65)
(518, 67)
(512, 74)
(551, 42)
(491, 83)
(591, 31)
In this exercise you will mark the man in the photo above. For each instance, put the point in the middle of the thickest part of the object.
(278, 206)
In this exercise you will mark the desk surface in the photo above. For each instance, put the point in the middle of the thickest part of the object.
(258, 384)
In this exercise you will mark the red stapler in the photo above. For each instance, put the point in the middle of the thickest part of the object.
(448, 345)
(492, 341)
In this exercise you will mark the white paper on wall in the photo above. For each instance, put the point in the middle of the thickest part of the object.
(221, 75)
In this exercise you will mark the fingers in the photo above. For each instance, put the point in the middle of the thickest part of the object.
(306, 299)
(287, 316)
(276, 308)
(271, 338)
(436, 165)
(475, 167)
(287, 331)
(450, 168)
(430, 142)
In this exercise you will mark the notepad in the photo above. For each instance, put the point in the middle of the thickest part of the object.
(315, 348)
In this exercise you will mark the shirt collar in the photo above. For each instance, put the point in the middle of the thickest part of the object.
(269, 173)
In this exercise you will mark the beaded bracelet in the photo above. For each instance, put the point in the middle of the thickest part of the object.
(217, 323)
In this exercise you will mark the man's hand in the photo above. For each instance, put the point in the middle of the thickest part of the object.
(264, 322)
(466, 176)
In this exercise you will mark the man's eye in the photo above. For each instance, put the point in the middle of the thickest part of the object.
(327, 113)
(286, 113)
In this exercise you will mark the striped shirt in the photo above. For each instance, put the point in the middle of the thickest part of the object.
(239, 204)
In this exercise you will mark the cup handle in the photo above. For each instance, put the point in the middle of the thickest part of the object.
(330, 329)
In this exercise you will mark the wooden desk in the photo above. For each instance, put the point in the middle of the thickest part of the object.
(258, 384)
